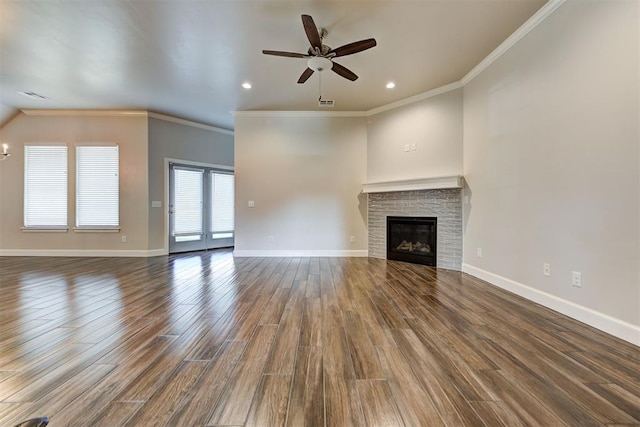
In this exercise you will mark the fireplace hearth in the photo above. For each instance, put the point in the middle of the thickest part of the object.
(412, 239)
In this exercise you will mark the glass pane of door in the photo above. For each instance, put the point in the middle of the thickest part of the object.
(186, 232)
(222, 196)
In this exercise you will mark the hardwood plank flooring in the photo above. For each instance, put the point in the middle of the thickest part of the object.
(206, 339)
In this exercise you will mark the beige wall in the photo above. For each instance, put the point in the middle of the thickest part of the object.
(131, 135)
(551, 158)
(305, 176)
(434, 125)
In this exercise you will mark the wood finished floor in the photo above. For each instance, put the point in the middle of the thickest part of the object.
(204, 339)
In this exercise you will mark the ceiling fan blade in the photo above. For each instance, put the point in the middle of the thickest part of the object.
(354, 47)
(312, 31)
(305, 75)
(287, 54)
(344, 72)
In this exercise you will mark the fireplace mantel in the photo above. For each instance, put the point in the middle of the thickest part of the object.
(414, 184)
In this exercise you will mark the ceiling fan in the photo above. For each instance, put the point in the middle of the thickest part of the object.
(320, 57)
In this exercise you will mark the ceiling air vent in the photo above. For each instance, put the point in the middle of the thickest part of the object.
(326, 103)
(33, 95)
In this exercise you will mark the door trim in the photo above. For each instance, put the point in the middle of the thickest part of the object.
(167, 161)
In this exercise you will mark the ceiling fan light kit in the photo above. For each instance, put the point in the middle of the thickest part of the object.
(319, 63)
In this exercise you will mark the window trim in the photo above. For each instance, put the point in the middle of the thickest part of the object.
(94, 229)
(46, 229)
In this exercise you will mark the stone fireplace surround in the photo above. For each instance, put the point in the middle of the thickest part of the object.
(443, 203)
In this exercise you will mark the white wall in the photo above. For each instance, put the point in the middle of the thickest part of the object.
(434, 125)
(131, 135)
(305, 175)
(551, 158)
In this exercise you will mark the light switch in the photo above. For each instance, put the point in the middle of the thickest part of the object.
(156, 203)
(251, 204)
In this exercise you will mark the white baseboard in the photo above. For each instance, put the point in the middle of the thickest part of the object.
(83, 253)
(299, 253)
(616, 327)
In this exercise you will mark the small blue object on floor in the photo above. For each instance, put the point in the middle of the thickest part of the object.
(34, 422)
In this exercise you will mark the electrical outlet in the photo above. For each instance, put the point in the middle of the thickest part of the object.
(479, 252)
(546, 269)
(251, 204)
(576, 279)
(123, 239)
(271, 238)
(352, 239)
(414, 146)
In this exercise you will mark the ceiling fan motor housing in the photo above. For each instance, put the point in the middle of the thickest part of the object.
(322, 51)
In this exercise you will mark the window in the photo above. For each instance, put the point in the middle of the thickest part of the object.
(45, 186)
(222, 200)
(97, 187)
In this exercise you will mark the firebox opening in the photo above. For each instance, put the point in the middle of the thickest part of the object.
(412, 239)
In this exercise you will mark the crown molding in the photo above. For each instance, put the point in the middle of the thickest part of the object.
(270, 113)
(415, 98)
(514, 38)
(94, 113)
(123, 113)
(377, 110)
(191, 123)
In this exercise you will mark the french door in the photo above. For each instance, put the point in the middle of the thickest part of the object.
(201, 208)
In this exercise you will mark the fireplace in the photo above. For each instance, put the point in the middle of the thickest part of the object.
(445, 204)
(412, 239)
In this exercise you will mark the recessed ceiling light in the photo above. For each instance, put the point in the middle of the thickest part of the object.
(391, 85)
(246, 85)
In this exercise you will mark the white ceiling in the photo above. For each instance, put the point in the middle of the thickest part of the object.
(188, 58)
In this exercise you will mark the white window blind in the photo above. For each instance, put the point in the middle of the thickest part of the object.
(45, 186)
(187, 207)
(97, 187)
(222, 199)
